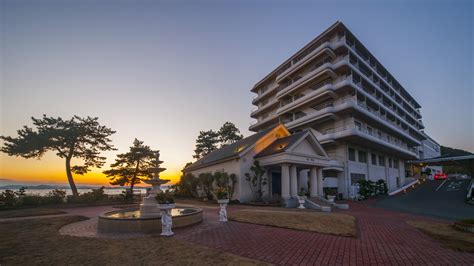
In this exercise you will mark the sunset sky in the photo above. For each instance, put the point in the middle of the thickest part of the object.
(161, 71)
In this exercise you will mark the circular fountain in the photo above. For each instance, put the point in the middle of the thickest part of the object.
(147, 218)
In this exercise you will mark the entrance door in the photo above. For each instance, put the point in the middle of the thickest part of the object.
(276, 183)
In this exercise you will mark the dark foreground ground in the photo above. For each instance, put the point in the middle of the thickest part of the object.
(446, 203)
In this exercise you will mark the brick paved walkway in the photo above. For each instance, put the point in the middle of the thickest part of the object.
(383, 238)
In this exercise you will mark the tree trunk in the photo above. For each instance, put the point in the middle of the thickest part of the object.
(134, 178)
(69, 177)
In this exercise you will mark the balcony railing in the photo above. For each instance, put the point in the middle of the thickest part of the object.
(372, 133)
(388, 105)
(411, 109)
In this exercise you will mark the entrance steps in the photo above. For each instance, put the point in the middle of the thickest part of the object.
(320, 203)
(316, 203)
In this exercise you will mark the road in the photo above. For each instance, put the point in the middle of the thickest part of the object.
(447, 202)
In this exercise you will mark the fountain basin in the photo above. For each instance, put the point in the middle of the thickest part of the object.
(130, 220)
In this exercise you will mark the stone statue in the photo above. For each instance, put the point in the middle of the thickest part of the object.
(166, 223)
(223, 213)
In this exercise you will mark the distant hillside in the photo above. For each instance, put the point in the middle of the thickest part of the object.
(453, 152)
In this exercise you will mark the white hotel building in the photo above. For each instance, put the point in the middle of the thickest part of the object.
(367, 124)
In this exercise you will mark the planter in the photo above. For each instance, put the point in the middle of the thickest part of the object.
(223, 211)
(223, 201)
(301, 201)
(166, 220)
(168, 206)
(331, 198)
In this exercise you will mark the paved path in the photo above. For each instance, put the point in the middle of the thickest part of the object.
(446, 203)
(383, 239)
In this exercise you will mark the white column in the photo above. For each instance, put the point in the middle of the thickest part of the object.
(293, 181)
(285, 181)
(313, 182)
(303, 180)
(320, 182)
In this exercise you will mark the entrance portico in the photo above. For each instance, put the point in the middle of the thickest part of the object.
(295, 159)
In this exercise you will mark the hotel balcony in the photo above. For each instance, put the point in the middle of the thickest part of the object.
(265, 107)
(263, 123)
(326, 88)
(360, 134)
(269, 91)
(328, 69)
(320, 71)
(357, 49)
(329, 111)
(330, 90)
(325, 47)
(361, 73)
(411, 109)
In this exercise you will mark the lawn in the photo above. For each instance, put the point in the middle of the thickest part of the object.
(446, 235)
(37, 241)
(326, 223)
(28, 212)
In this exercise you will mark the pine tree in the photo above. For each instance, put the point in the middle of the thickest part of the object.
(76, 138)
(131, 168)
(206, 142)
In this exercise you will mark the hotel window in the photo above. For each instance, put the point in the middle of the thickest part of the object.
(362, 156)
(370, 131)
(352, 155)
(356, 177)
(390, 162)
(380, 135)
(374, 159)
(358, 125)
(395, 163)
(381, 161)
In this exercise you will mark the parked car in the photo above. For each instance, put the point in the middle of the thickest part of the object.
(440, 176)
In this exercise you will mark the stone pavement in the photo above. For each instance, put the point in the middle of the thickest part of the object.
(384, 238)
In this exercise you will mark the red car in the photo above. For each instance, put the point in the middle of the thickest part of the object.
(440, 176)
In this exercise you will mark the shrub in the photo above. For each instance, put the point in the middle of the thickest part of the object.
(165, 198)
(368, 188)
(31, 200)
(221, 193)
(206, 181)
(54, 196)
(9, 198)
(468, 221)
(93, 196)
(257, 180)
(381, 187)
(186, 187)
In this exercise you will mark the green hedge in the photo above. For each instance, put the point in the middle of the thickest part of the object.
(369, 188)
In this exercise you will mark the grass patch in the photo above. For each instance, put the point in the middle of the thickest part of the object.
(37, 241)
(325, 223)
(446, 235)
(28, 212)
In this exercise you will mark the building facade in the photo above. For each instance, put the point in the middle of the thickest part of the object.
(361, 115)
(430, 149)
(326, 118)
(285, 158)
